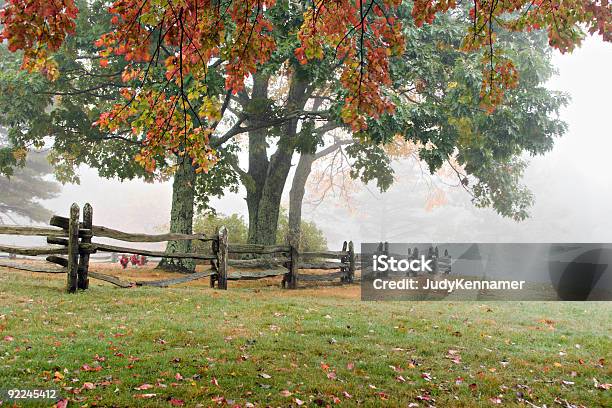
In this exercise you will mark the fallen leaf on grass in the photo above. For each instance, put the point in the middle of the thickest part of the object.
(495, 400)
(266, 376)
(214, 382)
(143, 387)
(426, 376)
(383, 396)
(9, 338)
(286, 393)
(63, 403)
(299, 402)
(89, 386)
(346, 395)
(144, 396)
(601, 386)
(177, 402)
(87, 367)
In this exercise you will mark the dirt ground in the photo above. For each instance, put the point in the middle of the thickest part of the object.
(149, 273)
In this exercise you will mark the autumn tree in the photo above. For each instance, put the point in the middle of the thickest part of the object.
(58, 114)
(441, 86)
(204, 50)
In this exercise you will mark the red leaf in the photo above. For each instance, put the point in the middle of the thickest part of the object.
(89, 386)
(63, 403)
(177, 402)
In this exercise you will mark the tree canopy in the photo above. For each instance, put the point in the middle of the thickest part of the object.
(186, 40)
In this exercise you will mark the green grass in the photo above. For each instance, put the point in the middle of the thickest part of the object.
(267, 347)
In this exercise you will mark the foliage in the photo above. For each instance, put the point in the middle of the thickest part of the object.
(58, 114)
(439, 86)
(312, 238)
(199, 42)
(237, 228)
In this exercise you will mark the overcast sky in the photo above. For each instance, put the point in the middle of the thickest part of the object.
(572, 184)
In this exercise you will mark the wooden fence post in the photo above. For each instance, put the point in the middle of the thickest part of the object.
(293, 262)
(222, 259)
(344, 259)
(214, 263)
(351, 269)
(83, 279)
(73, 249)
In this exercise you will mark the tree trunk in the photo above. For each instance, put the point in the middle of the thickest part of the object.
(266, 224)
(258, 154)
(181, 217)
(269, 176)
(296, 194)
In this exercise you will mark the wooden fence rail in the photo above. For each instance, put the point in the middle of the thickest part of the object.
(71, 243)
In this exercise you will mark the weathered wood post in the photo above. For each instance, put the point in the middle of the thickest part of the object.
(222, 259)
(351, 269)
(293, 261)
(344, 259)
(73, 249)
(83, 279)
(214, 263)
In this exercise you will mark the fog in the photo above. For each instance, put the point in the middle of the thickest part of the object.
(571, 184)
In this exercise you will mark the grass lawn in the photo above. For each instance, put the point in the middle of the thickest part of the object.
(258, 345)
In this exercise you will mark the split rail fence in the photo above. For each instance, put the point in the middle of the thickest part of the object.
(70, 246)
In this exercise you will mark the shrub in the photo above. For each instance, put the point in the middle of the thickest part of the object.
(311, 239)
